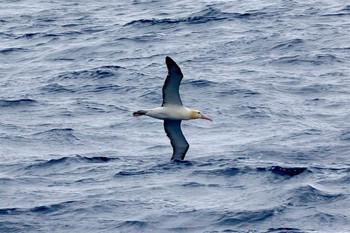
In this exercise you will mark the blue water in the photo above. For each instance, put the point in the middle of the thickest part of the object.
(274, 76)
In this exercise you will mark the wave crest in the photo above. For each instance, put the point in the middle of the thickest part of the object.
(209, 14)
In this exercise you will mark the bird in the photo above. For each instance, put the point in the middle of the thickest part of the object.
(172, 111)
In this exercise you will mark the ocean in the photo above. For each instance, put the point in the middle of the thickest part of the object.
(273, 75)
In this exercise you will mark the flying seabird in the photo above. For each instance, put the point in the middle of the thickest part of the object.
(173, 112)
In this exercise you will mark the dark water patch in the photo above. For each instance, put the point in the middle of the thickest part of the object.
(246, 217)
(317, 88)
(199, 83)
(130, 224)
(192, 184)
(167, 167)
(68, 25)
(9, 211)
(5, 35)
(284, 171)
(38, 35)
(288, 44)
(63, 59)
(346, 8)
(253, 112)
(95, 73)
(345, 11)
(101, 88)
(209, 14)
(316, 60)
(56, 88)
(315, 102)
(97, 159)
(173, 165)
(321, 59)
(69, 161)
(15, 227)
(17, 102)
(306, 132)
(85, 181)
(57, 134)
(47, 209)
(227, 171)
(151, 97)
(102, 108)
(329, 218)
(182, 163)
(285, 230)
(306, 195)
(333, 74)
(12, 50)
(149, 37)
(48, 164)
(345, 180)
(240, 92)
(87, 88)
(54, 35)
(30, 35)
(6, 181)
(44, 209)
(131, 172)
(345, 135)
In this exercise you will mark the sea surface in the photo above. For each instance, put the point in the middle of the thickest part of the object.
(273, 75)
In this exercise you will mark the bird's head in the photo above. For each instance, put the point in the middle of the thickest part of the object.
(195, 114)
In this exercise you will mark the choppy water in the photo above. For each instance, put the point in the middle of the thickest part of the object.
(274, 76)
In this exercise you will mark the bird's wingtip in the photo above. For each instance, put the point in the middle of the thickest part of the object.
(172, 66)
(169, 60)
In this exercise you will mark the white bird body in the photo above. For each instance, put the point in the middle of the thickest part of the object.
(170, 112)
(173, 112)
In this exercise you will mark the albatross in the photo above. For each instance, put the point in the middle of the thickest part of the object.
(173, 112)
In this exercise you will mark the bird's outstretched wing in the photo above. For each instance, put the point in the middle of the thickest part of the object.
(172, 82)
(177, 139)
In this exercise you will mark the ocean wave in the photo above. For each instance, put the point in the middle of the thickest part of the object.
(38, 35)
(317, 60)
(94, 80)
(43, 209)
(132, 224)
(209, 14)
(56, 88)
(172, 166)
(69, 160)
(285, 230)
(255, 112)
(131, 172)
(199, 83)
(193, 184)
(228, 171)
(12, 50)
(151, 96)
(305, 195)
(95, 73)
(238, 91)
(288, 44)
(66, 134)
(345, 11)
(284, 171)
(345, 135)
(247, 217)
(17, 102)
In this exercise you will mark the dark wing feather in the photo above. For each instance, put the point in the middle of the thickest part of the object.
(172, 82)
(177, 139)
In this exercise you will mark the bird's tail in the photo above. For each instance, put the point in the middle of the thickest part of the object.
(139, 113)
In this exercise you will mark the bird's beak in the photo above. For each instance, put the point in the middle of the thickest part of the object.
(205, 117)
